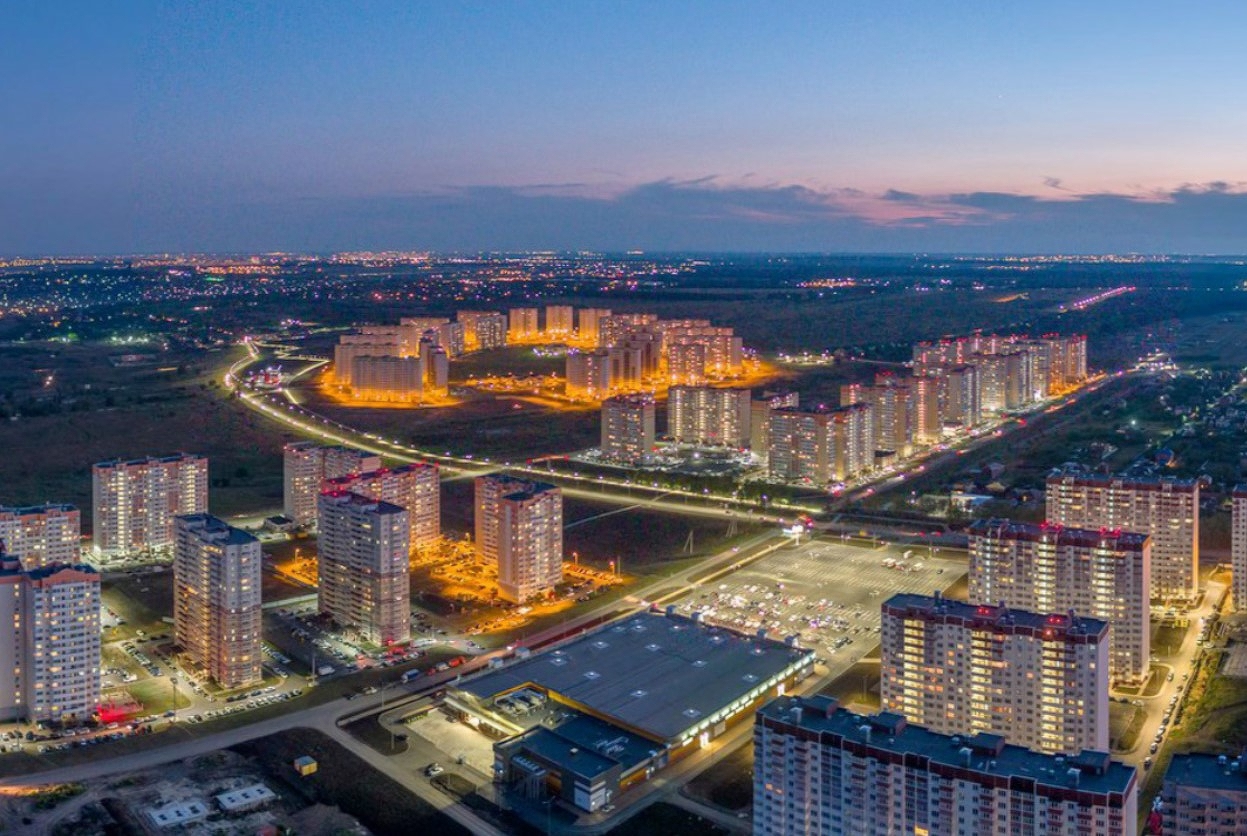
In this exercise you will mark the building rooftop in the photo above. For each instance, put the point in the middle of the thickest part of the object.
(568, 755)
(23, 510)
(1213, 772)
(217, 530)
(1061, 535)
(658, 675)
(379, 506)
(987, 754)
(1145, 482)
(1001, 618)
(175, 457)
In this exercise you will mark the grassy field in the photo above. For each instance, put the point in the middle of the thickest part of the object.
(1125, 721)
(859, 684)
(95, 411)
(344, 780)
(1219, 723)
(667, 818)
(644, 539)
(727, 784)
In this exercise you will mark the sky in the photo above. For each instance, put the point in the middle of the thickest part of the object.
(137, 127)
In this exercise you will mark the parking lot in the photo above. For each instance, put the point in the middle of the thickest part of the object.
(827, 592)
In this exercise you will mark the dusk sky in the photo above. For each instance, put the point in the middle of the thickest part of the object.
(833, 126)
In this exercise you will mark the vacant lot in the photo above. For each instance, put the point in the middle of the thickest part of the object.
(343, 780)
(729, 783)
(93, 410)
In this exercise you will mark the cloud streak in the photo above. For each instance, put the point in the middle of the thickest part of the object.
(699, 214)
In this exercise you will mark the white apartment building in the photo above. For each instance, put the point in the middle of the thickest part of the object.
(415, 487)
(1049, 568)
(1165, 509)
(448, 335)
(1203, 795)
(588, 324)
(42, 534)
(760, 418)
(483, 330)
(306, 466)
(522, 324)
(686, 364)
(724, 350)
(1039, 680)
(960, 405)
(589, 374)
(1238, 548)
(217, 599)
(387, 379)
(519, 524)
(560, 321)
(822, 770)
(709, 416)
(363, 570)
(134, 502)
(892, 413)
(820, 445)
(628, 429)
(372, 341)
(50, 643)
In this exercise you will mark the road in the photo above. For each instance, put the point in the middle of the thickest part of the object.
(277, 407)
(1182, 664)
(321, 717)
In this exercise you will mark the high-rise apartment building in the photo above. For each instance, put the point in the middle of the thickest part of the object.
(444, 333)
(820, 445)
(1041, 680)
(134, 502)
(628, 429)
(1166, 509)
(724, 351)
(371, 341)
(216, 599)
(522, 324)
(50, 641)
(307, 465)
(387, 379)
(1203, 795)
(800, 446)
(435, 363)
(613, 328)
(1238, 548)
(959, 399)
(483, 330)
(42, 534)
(363, 569)
(928, 424)
(1050, 568)
(560, 321)
(760, 418)
(627, 366)
(822, 769)
(589, 374)
(519, 524)
(892, 413)
(588, 325)
(853, 440)
(709, 415)
(415, 487)
(686, 364)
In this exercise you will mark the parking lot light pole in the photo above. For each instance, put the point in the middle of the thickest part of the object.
(173, 681)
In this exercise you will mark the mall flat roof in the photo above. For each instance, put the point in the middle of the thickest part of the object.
(660, 675)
